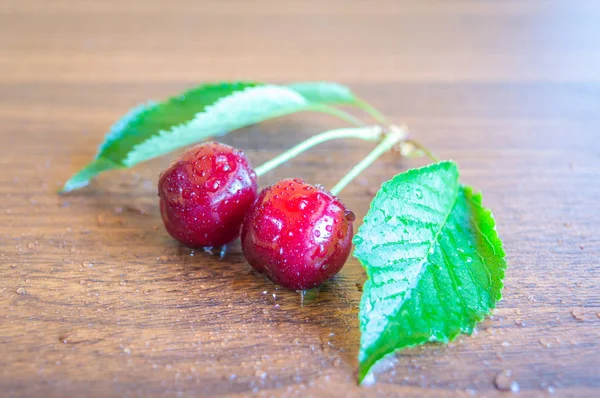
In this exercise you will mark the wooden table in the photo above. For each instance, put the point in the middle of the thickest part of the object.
(97, 300)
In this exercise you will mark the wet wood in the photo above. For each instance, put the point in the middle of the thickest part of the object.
(97, 300)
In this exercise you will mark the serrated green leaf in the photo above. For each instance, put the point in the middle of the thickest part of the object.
(433, 259)
(240, 109)
(154, 129)
(148, 120)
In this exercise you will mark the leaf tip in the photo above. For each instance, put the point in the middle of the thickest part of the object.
(82, 177)
(363, 372)
(73, 184)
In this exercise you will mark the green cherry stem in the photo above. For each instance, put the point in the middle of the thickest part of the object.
(423, 149)
(396, 135)
(367, 133)
(330, 110)
(371, 110)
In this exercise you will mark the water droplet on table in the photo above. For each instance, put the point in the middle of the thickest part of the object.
(505, 382)
(578, 314)
(547, 343)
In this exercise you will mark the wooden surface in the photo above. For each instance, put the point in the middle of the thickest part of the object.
(97, 300)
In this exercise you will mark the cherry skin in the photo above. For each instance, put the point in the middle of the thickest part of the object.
(205, 194)
(297, 234)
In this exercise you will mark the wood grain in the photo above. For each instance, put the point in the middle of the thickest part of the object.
(97, 300)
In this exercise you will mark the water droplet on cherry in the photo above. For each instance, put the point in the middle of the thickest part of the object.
(350, 216)
(307, 260)
(212, 185)
(197, 176)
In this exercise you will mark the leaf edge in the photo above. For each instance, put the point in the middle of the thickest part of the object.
(475, 198)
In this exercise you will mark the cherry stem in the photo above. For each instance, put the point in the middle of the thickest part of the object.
(371, 110)
(423, 149)
(330, 110)
(395, 135)
(368, 133)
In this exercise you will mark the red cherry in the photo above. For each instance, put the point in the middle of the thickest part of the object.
(205, 194)
(297, 234)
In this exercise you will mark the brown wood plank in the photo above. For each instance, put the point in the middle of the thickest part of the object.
(97, 300)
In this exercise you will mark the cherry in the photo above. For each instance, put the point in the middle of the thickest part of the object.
(297, 234)
(205, 194)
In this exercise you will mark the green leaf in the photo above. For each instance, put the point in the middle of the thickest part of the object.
(154, 129)
(148, 120)
(433, 259)
(240, 109)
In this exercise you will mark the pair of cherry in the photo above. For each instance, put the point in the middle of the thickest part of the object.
(299, 235)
